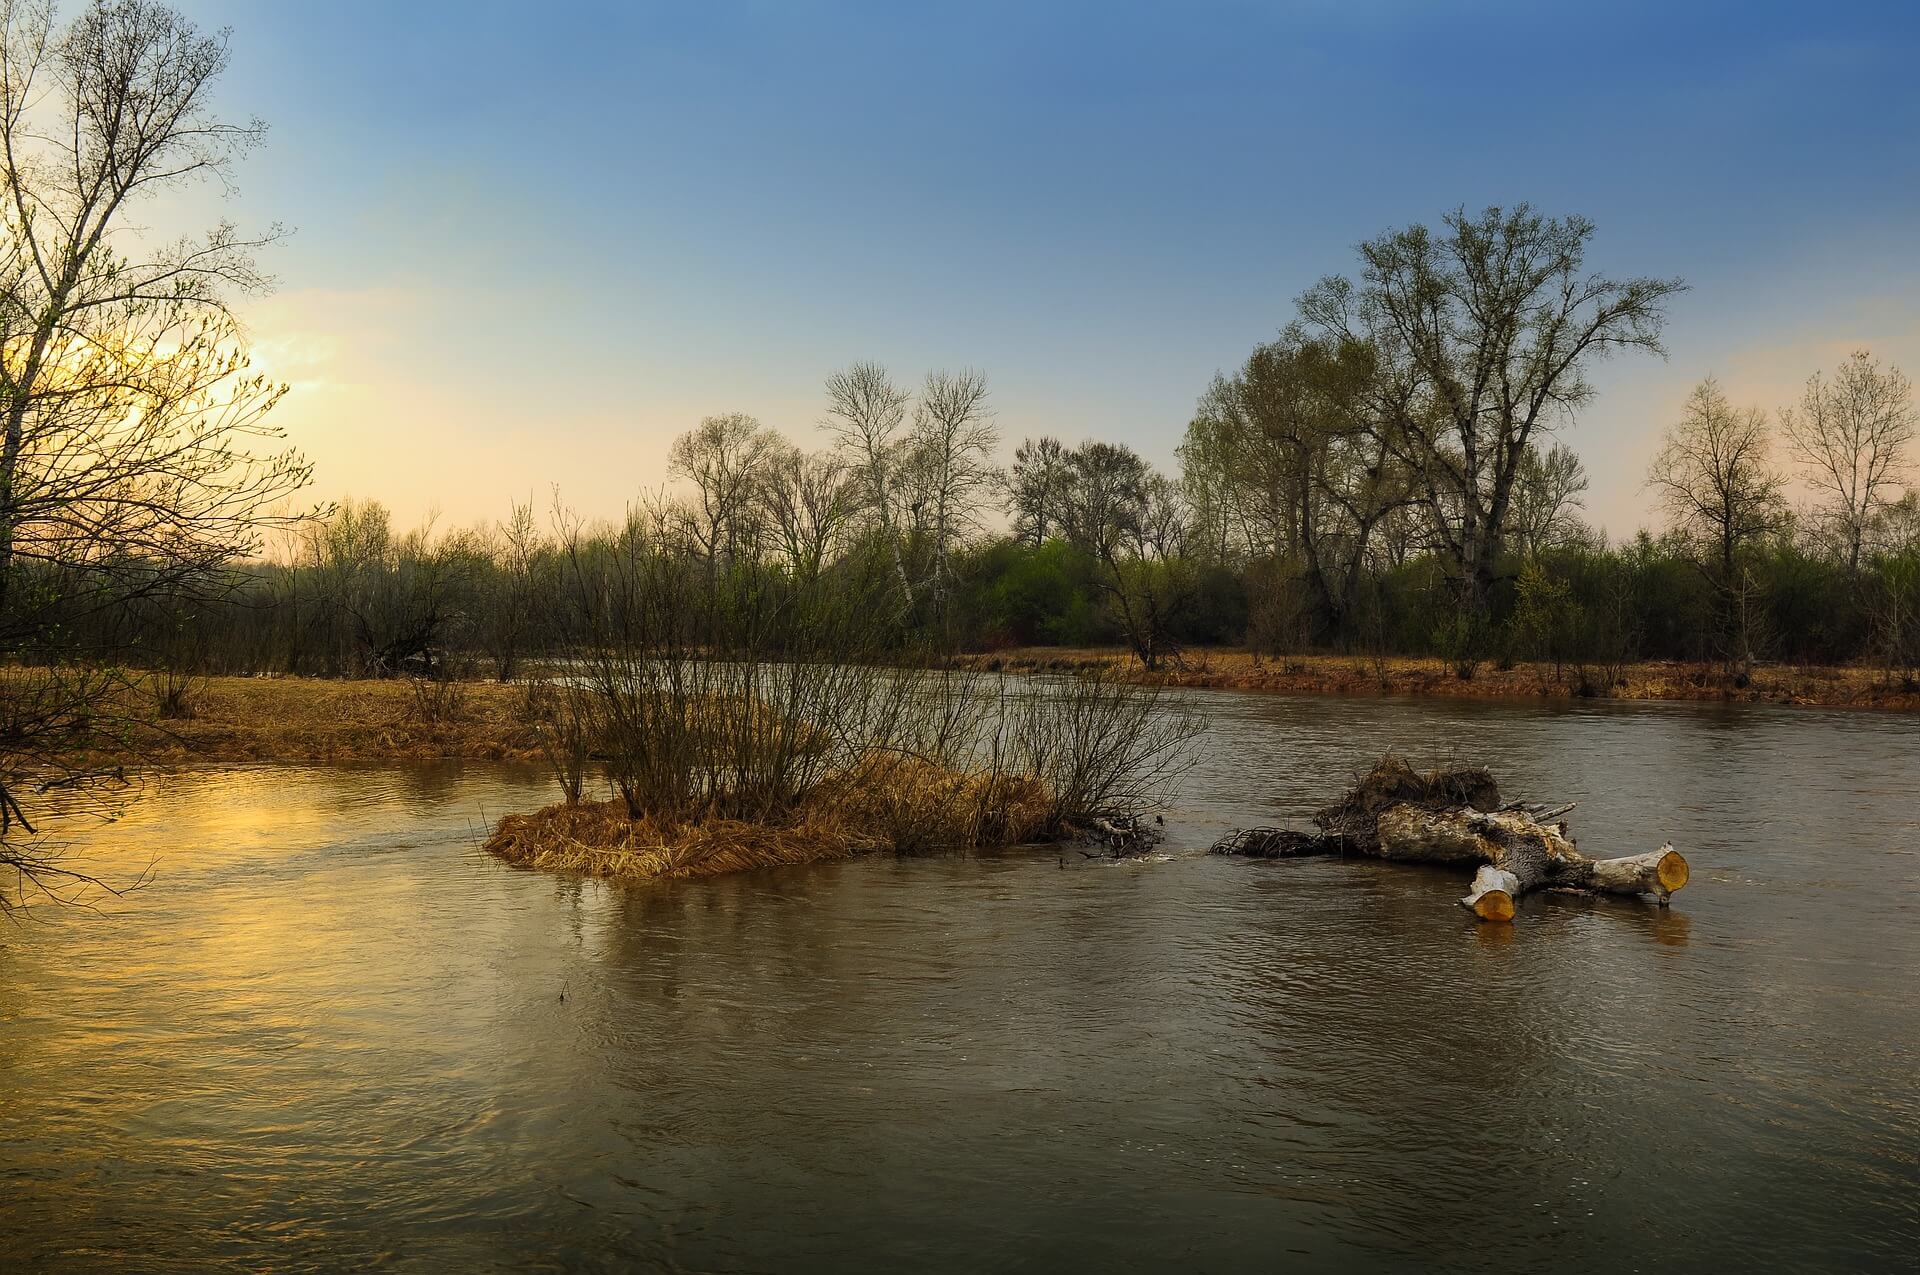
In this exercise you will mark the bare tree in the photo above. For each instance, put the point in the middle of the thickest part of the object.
(810, 498)
(920, 481)
(514, 551)
(1714, 476)
(1851, 435)
(1718, 486)
(1035, 487)
(131, 457)
(867, 413)
(1485, 334)
(1546, 491)
(728, 459)
(953, 442)
(124, 402)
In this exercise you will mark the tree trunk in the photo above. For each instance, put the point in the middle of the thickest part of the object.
(1454, 817)
(1518, 853)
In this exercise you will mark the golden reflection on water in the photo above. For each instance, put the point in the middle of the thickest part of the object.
(1493, 934)
(1670, 927)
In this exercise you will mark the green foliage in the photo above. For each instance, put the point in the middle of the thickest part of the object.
(1025, 596)
(1545, 616)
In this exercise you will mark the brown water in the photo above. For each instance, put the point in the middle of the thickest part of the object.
(333, 1033)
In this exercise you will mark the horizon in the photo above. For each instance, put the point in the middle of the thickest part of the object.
(1066, 205)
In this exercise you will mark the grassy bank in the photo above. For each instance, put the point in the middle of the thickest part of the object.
(291, 719)
(1232, 669)
(295, 719)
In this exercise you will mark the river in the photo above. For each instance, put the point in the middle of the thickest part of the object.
(330, 1032)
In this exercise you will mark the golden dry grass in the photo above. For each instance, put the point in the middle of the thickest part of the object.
(315, 719)
(598, 839)
(1233, 669)
(885, 804)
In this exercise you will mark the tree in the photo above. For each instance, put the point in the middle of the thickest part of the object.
(131, 457)
(1212, 481)
(513, 555)
(729, 460)
(1035, 486)
(395, 603)
(1485, 333)
(1546, 491)
(920, 483)
(1134, 524)
(1719, 488)
(866, 412)
(951, 459)
(810, 497)
(1851, 435)
(1305, 462)
(1714, 477)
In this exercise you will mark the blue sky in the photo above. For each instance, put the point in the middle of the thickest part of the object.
(534, 243)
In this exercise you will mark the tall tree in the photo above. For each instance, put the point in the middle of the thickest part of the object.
(1486, 331)
(866, 413)
(1851, 435)
(810, 496)
(1135, 526)
(953, 442)
(131, 432)
(1717, 483)
(1308, 460)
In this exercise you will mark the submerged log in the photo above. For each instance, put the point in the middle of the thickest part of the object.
(1455, 817)
(1123, 835)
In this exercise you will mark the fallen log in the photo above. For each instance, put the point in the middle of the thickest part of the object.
(1455, 817)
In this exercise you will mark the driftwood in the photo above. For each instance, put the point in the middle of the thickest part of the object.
(1455, 816)
(1123, 835)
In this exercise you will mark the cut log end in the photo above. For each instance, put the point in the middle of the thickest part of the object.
(1672, 871)
(1494, 905)
(1493, 893)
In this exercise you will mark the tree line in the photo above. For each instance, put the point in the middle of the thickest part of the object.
(1383, 477)
(1308, 537)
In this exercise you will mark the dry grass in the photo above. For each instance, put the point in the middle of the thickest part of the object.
(598, 839)
(1232, 669)
(885, 804)
(313, 719)
(909, 806)
(289, 719)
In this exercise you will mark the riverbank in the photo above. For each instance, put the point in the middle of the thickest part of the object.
(303, 719)
(1234, 669)
(299, 719)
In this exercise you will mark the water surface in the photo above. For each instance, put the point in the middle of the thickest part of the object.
(331, 1032)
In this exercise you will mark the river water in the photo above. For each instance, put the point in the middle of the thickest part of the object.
(331, 1032)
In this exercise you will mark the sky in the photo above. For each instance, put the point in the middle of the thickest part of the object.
(530, 244)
